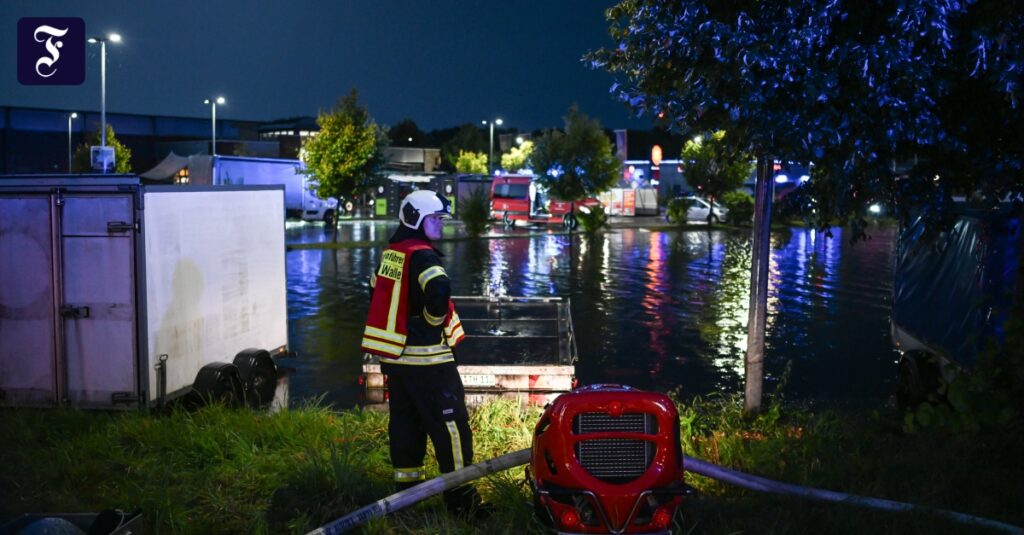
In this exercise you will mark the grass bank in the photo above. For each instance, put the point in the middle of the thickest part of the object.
(234, 471)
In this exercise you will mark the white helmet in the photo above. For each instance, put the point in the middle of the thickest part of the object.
(420, 204)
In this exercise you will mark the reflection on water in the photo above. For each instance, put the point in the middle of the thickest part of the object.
(652, 309)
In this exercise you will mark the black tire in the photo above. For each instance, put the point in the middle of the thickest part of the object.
(218, 382)
(714, 219)
(329, 217)
(919, 379)
(258, 372)
(570, 222)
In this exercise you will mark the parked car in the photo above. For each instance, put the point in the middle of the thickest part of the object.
(697, 209)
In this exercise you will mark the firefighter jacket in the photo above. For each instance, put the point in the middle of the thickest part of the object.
(412, 319)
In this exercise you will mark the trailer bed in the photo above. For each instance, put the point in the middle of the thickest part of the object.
(513, 344)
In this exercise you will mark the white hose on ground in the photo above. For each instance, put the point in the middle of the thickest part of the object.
(405, 498)
(760, 484)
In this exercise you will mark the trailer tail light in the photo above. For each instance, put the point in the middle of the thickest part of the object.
(608, 458)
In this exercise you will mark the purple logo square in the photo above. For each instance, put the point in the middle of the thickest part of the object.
(51, 51)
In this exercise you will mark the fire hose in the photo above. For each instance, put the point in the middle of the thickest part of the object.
(405, 498)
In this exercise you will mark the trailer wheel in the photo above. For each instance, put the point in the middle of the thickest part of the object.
(919, 378)
(218, 382)
(259, 374)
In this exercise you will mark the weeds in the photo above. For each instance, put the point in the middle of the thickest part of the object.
(218, 470)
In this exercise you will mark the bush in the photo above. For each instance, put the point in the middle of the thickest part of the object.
(740, 205)
(676, 212)
(475, 211)
(592, 220)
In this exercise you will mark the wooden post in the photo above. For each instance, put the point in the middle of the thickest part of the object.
(760, 255)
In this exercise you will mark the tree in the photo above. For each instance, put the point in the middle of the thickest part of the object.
(469, 138)
(578, 162)
(517, 157)
(710, 168)
(474, 163)
(406, 133)
(81, 162)
(867, 92)
(344, 158)
(924, 90)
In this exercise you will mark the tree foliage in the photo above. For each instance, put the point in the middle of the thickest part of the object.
(406, 133)
(81, 162)
(472, 163)
(578, 162)
(344, 158)
(711, 168)
(868, 92)
(517, 157)
(474, 210)
(469, 138)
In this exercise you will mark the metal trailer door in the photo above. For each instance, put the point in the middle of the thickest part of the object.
(98, 306)
(28, 337)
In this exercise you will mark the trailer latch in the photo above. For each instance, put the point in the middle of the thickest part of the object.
(121, 226)
(70, 311)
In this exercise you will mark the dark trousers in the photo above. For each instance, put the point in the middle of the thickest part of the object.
(427, 401)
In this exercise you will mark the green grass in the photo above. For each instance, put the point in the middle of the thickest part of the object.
(219, 470)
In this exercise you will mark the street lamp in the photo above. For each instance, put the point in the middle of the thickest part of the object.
(490, 154)
(113, 38)
(213, 119)
(71, 115)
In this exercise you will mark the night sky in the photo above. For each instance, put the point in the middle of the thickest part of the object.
(440, 63)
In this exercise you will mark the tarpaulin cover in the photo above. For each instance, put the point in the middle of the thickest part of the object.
(953, 293)
(200, 169)
(167, 168)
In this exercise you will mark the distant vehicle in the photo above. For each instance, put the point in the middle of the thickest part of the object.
(951, 295)
(299, 201)
(520, 198)
(698, 209)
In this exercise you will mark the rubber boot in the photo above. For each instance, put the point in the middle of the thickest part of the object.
(465, 501)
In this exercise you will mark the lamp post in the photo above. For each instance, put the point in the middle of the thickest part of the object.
(113, 38)
(71, 115)
(213, 120)
(490, 153)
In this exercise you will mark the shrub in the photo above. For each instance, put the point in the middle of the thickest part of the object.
(676, 212)
(593, 219)
(475, 211)
(740, 205)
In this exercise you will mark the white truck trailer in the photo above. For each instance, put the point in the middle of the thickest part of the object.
(299, 201)
(119, 295)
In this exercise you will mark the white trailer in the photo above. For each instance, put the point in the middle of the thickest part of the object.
(114, 294)
(299, 201)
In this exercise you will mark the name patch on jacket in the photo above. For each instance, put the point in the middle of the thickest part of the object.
(391, 263)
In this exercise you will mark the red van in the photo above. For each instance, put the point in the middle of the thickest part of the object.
(520, 198)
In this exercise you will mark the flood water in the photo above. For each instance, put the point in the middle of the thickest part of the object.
(659, 310)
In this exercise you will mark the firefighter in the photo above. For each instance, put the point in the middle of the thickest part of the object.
(412, 325)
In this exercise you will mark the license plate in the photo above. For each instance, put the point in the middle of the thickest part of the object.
(479, 380)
